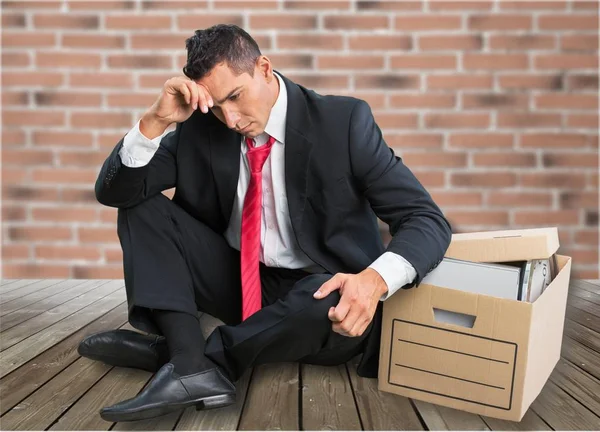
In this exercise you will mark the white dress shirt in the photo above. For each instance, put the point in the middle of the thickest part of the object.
(278, 243)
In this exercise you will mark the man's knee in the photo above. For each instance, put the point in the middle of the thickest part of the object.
(158, 203)
(303, 294)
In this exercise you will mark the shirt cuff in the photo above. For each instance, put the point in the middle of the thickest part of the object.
(395, 271)
(137, 150)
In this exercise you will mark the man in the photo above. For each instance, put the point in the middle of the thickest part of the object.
(272, 229)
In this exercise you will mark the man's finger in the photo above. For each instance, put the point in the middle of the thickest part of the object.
(339, 312)
(328, 287)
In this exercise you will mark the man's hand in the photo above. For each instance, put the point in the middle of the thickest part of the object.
(359, 296)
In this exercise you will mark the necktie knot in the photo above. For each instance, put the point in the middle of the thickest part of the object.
(258, 155)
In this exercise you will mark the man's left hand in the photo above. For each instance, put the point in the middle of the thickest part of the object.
(360, 294)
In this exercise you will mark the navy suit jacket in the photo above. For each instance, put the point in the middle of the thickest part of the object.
(340, 175)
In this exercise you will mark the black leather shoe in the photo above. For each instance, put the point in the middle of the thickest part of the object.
(168, 391)
(126, 348)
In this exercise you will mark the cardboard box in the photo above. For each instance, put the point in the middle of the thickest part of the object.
(498, 366)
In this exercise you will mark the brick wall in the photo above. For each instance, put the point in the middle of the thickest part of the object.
(493, 105)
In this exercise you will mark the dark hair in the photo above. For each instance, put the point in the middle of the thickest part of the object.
(220, 43)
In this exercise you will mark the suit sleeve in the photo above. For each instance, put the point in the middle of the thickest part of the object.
(122, 186)
(420, 232)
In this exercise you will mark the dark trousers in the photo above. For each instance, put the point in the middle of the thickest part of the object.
(175, 262)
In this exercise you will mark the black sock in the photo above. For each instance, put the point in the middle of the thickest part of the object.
(184, 340)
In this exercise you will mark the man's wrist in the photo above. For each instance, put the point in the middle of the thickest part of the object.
(380, 283)
(151, 126)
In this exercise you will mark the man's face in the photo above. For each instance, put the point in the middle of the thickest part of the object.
(242, 102)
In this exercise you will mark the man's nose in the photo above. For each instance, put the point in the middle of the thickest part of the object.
(231, 118)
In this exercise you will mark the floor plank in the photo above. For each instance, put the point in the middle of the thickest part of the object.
(381, 410)
(15, 284)
(588, 285)
(18, 354)
(33, 375)
(20, 311)
(581, 356)
(530, 422)
(584, 305)
(574, 290)
(327, 399)
(580, 385)
(226, 418)
(562, 412)
(585, 336)
(272, 401)
(584, 318)
(36, 324)
(4, 283)
(444, 418)
(46, 285)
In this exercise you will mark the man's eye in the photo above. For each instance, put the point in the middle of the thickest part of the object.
(234, 97)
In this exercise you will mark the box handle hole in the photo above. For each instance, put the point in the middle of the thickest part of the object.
(454, 318)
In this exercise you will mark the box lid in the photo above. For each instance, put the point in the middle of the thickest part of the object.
(503, 246)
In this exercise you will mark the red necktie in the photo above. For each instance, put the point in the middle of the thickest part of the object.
(250, 239)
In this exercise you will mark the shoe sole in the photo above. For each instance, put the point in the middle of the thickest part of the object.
(211, 402)
(115, 361)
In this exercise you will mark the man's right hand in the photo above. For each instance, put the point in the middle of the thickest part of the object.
(178, 99)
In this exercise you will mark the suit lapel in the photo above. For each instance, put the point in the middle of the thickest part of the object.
(225, 157)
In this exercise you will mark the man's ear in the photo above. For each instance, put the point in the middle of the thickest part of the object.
(264, 66)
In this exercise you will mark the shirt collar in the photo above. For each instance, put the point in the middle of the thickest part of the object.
(276, 124)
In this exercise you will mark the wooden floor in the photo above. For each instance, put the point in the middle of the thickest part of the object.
(46, 385)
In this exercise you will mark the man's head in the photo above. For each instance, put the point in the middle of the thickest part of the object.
(226, 61)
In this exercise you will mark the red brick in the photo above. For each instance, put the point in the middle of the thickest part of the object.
(519, 199)
(552, 180)
(579, 200)
(422, 100)
(483, 180)
(437, 159)
(113, 255)
(457, 82)
(460, 6)
(579, 42)
(499, 22)
(67, 59)
(99, 272)
(103, 5)
(522, 42)
(450, 42)
(375, 100)
(13, 213)
(430, 179)
(63, 175)
(427, 22)
(15, 59)
(379, 42)
(495, 61)
(477, 217)
(396, 120)
(15, 251)
(587, 237)
(356, 22)
(39, 233)
(583, 256)
(23, 78)
(133, 100)
(29, 118)
(459, 199)
(545, 217)
(155, 81)
(193, 22)
(585, 5)
(26, 157)
(109, 140)
(108, 215)
(554, 140)
(62, 98)
(421, 61)
(566, 101)
(170, 5)
(349, 62)
(566, 61)
(139, 61)
(279, 21)
(532, 5)
(589, 121)
(157, 41)
(63, 253)
(101, 120)
(568, 22)
(138, 22)
(248, 4)
(27, 4)
(28, 40)
(97, 235)
(66, 21)
(391, 81)
(528, 119)
(35, 271)
(419, 141)
(64, 214)
(582, 82)
(102, 80)
(387, 5)
(15, 98)
(82, 158)
(13, 137)
(495, 101)
(29, 194)
(91, 41)
(291, 61)
(319, 81)
(79, 196)
(527, 82)
(11, 20)
(314, 41)
(55, 138)
(14, 175)
(584, 274)
(505, 159)
(457, 120)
